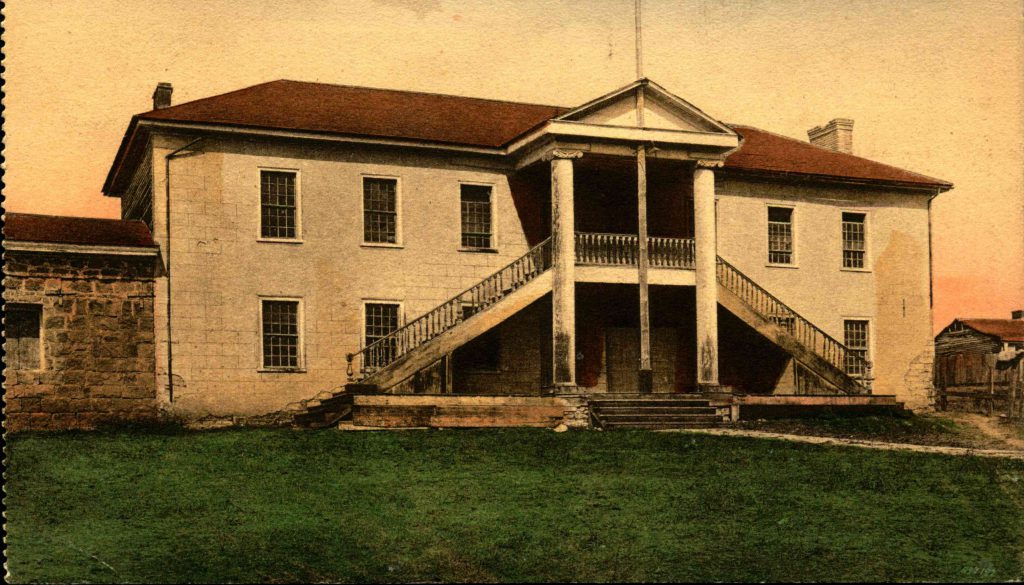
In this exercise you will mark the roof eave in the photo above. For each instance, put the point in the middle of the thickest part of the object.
(929, 188)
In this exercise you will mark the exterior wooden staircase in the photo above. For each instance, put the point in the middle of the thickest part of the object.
(819, 358)
(423, 341)
(387, 362)
(657, 411)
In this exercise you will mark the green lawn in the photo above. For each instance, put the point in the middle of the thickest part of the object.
(515, 505)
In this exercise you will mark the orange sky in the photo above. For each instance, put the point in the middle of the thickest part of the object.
(934, 86)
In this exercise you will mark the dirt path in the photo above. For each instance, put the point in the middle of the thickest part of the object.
(991, 428)
(1006, 453)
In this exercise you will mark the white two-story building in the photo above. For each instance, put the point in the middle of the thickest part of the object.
(319, 235)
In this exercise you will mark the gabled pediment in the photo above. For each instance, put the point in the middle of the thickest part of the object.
(662, 111)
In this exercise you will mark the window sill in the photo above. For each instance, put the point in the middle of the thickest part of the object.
(855, 269)
(281, 370)
(479, 250)
(791, 266)
(381, 245)
(279, 240)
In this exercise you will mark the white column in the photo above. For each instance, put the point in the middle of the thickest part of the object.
(645, 380)
(563, 257)
(706, 243)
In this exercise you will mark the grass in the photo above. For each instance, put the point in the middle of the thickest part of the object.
(513, 505)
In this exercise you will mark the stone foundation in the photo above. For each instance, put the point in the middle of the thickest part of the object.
(97, 357)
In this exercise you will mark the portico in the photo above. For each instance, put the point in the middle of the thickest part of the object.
(644, 124)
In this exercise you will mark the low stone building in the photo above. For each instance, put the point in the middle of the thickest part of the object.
(79, 322)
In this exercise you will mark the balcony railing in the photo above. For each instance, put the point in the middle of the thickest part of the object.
(624, 250)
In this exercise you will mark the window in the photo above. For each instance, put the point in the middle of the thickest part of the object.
(853, 240)
(855, 337)
(482, 354)
(281, 334)
(380, 211)
(278, 209)
(381, 321)
(780, 235)
(476, 216)
(23, 327)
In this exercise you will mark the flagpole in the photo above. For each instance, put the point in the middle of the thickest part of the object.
(639, 44)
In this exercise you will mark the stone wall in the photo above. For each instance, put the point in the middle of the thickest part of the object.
(96, 331)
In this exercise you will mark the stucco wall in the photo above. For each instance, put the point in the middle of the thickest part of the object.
(96, 333)
(892, 292)
(220, 269)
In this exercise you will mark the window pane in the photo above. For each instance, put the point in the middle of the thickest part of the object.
(476, 216)
(380, 211)
(23, 327)
(780, 235)
(280, 334)
(853, 240)
(277, 204)
(855, 337)
(381, 320)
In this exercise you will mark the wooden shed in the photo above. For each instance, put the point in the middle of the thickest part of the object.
(979, 365)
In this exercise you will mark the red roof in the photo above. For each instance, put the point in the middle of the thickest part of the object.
(455, 120)
(767, 152)
(1004, 329)
(363, 111)
(57, 229)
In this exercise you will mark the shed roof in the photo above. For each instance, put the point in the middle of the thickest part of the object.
(58, 229)
(1004, 329)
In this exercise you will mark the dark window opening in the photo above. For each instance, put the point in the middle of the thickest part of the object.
(23, 329)
(482, 354)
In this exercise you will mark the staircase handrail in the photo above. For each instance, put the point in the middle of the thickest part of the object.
(803, 329)
(443, 317)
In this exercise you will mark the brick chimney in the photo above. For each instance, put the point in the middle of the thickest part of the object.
(162, 95)
(836, 135)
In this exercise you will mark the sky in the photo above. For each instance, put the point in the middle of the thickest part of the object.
(934, 86)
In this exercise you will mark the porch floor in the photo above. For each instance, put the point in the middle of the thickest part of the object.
(577, 410)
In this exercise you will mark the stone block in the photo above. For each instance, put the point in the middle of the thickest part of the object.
(52, 404)
(39, 421)
(64, 420)
(19, 421)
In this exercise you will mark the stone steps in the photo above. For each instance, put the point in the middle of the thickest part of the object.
(327, 412)
(656, 412)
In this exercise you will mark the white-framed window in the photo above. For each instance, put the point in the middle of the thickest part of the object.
(381, 221)
(23, 328)
(477, 216)
(380, 319)
(281, 346)
(780, 235)
(854, 230)
(279, 204)
(856, 337)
